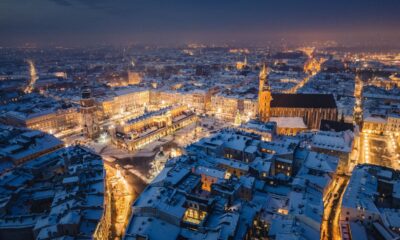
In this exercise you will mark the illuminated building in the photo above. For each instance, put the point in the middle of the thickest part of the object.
(311, 107)
(308, 50)
(224, 107)
(165, 98)
(249, 108)
(241, 65)
(232, 167)
(197, 100)
(376, 125)
(42, 113)
(137, 132)
(88, 111)
(239, 50)
(396, 79)
(124, 78)
(384, 83)
(130, 100)
(134, 78)
(227, 106)
(209, 177)
(50, 121)
(379, 125)
(393, 123)
(61, 75)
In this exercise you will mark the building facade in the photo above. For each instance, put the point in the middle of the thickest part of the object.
(51, 121)
(137, 132)
(127, 100)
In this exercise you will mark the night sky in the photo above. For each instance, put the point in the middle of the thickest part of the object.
(178, 21)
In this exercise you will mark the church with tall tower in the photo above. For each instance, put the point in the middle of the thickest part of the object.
(285, 108)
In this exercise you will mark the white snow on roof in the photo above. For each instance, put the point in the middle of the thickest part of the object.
(289, 122)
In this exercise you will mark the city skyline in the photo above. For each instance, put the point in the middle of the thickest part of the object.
(199, 120)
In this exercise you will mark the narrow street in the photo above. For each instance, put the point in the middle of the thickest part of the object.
(312, 67)
(330, 223)
(299, 85)
(122, 195)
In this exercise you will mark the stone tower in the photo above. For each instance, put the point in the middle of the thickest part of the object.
(88, 112)
(264, 96)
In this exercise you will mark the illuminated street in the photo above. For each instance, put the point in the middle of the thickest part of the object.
(33, 77)
(330, 224)
(312, 67)
(122, 196)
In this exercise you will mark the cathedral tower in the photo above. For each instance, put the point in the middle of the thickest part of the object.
(264, 96)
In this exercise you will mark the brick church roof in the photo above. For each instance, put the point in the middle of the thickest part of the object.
(280, 100)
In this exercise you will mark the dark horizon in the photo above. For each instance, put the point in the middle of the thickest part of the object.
(85, 22)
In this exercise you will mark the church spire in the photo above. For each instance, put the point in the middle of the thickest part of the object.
(263, 78)
(263, 72)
